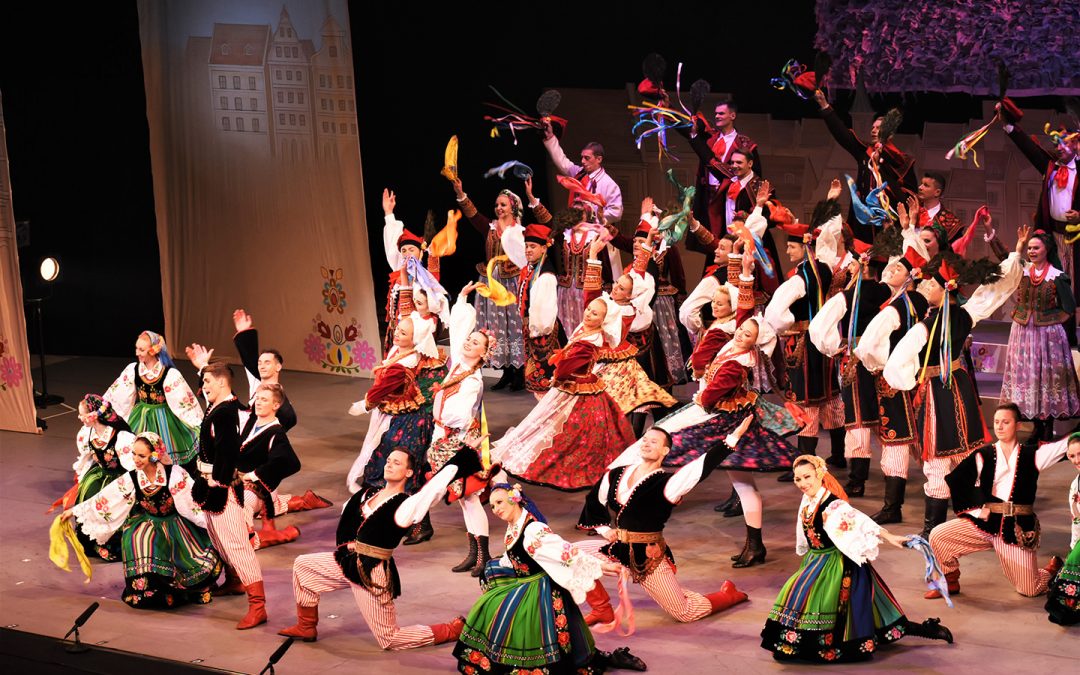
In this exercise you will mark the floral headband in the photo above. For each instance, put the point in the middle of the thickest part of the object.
(160, 453)
(517, 496)
(492, 343)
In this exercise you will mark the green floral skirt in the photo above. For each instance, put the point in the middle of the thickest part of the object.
(167, 561)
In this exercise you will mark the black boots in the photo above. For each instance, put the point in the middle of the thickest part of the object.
(836, 452)
(469, 562)
(512, 377)
(931, 629)
(753, 552)
(807, 446)
(894, 498)
(937, 510)
(857, 475)
(727, 503)
(420, 532)
(482, 556)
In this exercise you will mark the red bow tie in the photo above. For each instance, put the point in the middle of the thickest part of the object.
(924, 218)
(733, 190)
(1061, 178)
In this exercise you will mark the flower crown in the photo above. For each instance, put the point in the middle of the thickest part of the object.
(492, 342)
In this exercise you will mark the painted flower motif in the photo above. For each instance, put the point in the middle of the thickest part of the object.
(313, 348)
(557, 604)
(827, 639)
(474, 656)
(139, 583)
(844, 595)
(785, 648)
(11, 371)
(1070, 589)
(564, 638)
(364, 355)
(560, 621)
(895, 633)
(791, 637)
(829, 654)
(334, 297)
(867, 646)
(469, 670)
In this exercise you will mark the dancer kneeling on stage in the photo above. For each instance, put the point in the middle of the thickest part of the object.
(167, 555)
(642, 496)
(372, 524)
(836, 607)
(527, 620)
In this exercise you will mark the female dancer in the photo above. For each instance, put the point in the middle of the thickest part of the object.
(104, 445)
(572, 433)
(152, 395)
(167, 554)
(398, 418)
(836, 607)
(721, 403)
(1039, 375)
(528, 619)
(1063, 597)
(502, 322)
(618, 367)
(458, 407)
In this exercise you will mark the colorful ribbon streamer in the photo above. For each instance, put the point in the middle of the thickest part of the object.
(934, 575)
(967, 144)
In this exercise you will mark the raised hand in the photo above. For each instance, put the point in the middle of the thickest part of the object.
(902, 215)
(835, 188)
(763, 192)
(647, 206)
(198, 355)
(468, 288)
(389, 202)
(545, 125)
(1022, 236)
(596, 247)
(528, 190)
(242, 321)
(458, 191)
(748, 265)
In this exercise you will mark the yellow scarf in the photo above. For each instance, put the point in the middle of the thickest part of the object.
(60, 533)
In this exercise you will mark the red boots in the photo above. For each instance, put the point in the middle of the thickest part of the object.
(231, 586)
(256, 614)
(953, 581)
(270, 536)
(727, 596)
(307, 618)
(600, 605)
(447, 632)
(307, 502)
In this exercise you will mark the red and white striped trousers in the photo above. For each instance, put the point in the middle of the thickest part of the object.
(663, 587)
(318, 573)
(935, 470)
(230, 532)
(896, 458)
(828, 414)
(956, 538)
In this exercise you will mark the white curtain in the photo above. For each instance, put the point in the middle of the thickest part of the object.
(16, 388)
(257, 179)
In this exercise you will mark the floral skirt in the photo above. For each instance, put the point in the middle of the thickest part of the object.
(505, 324)
(167, 561)
(666, 320)
(566, 441)
(91, 483)
(832, 610)
(1039, 375)
(523, 624)
(538, 370)
(426, 379)
(762, 447)
(1063, 598)
(627, 383)
(410, 432)
(178, 437)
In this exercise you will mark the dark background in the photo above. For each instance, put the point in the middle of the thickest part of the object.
(72, 85)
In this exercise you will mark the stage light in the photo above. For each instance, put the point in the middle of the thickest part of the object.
(50, 269)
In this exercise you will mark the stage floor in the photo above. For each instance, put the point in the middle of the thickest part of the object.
(996, 630)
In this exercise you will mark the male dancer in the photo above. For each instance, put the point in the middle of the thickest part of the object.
(538, 299)
(993, 492)
(372, 524)
(642, 496)
(226, 522)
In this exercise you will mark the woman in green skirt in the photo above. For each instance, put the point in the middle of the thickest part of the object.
(528, 620)
(152, 395)
(168, 559)
(105, 453)
(1063, 598)
(836, 607)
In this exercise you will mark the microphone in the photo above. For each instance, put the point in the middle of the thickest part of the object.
(83, 618)
(276, 656)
